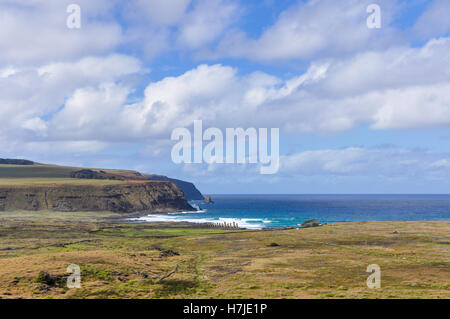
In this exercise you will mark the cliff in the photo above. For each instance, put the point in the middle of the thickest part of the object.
(124, 197)
(189, 189)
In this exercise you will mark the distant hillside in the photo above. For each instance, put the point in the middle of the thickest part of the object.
(28, 169)
(11, 161)
(26, 185)
(35, 171)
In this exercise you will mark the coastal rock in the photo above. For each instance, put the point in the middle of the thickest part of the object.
(189, 189)
(208, 200)
(311, 223)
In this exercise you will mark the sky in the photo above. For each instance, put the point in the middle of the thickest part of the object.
(359, 109)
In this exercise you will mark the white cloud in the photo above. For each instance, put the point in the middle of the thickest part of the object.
(92, 68)
(340, 166)
(28, 95)
(159, 11)
(35, 124)
(414, 107)
(90, 113)
(7, 71)
(313, 29)
(35, 32)
(159, 26)
(357, 161)
(434, 21)
(71, 147)
(207, 20)
(401, 88)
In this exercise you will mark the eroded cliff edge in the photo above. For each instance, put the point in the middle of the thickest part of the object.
(151, 197)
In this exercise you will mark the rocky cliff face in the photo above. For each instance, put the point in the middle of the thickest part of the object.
(189, 189)
(122, 197)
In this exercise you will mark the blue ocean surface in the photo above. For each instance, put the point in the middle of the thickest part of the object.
(272, 211)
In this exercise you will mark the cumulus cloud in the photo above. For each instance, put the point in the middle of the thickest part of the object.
(434, 22)
(158, 11)
(30, 97)
(344, 165)
(400, 88)
(207, 20)
(158, 26)
(414, 107)
(88, 111)
(357, 161)
(331, 96)
(35, 32)
(313, 29)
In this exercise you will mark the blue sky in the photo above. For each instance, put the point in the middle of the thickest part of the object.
(359, 110)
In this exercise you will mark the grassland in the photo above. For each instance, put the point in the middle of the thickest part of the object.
(123, 260)
(9, 171)
(36, 171)
(30, 182)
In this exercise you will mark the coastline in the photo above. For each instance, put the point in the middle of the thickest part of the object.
(203, 225)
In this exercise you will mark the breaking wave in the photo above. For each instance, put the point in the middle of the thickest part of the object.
(247, 223)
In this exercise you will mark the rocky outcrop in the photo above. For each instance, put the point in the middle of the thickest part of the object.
(189, 189)
(121, 197)
(311, 223)
(208, 200)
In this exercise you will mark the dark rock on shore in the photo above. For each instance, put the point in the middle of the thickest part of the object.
(311, 223)
(189, 189)
(208, 200)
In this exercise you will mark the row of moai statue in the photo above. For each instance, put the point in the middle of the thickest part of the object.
(224, 225)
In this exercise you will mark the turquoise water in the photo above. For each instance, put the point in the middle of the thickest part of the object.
(268, 211)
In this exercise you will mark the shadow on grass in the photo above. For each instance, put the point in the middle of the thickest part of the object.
(173, 287)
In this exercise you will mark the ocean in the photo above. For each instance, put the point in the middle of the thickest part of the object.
(272, 211)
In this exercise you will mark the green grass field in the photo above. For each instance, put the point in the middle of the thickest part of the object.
(49, 175)
(45, 171)
(123, 260)
(21, 182)
(36, 171)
